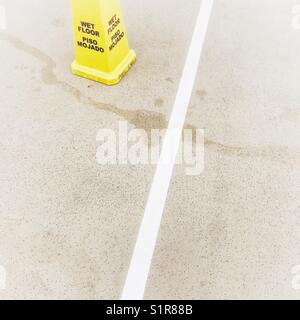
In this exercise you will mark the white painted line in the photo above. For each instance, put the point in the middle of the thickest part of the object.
(141, 260)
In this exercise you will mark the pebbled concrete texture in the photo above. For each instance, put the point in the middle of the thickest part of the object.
(68, 225)
(233, 233)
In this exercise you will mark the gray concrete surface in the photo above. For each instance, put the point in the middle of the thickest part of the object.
(234, 232)
(68, 225)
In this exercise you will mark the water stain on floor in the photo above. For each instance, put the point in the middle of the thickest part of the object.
(201, 93)
(148, 120)
(159, 102)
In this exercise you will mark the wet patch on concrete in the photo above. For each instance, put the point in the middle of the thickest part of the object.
(147, 120)
(201, 93)
(170, 80)
(159, 102)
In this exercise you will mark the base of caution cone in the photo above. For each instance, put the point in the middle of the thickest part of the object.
(110, 78)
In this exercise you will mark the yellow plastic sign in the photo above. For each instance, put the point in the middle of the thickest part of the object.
(102, 50)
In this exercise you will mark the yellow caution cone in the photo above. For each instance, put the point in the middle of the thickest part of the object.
(102, 50)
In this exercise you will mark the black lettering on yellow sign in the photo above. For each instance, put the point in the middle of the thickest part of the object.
(113, 23)
(89, 29)
(90, 46)
(117, 35)
(116, 38)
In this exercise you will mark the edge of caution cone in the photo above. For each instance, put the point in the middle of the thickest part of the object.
(109, 78)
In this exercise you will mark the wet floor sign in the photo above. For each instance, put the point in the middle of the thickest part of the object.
(102, 50)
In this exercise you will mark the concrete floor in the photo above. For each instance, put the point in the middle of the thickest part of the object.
(68, 225)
